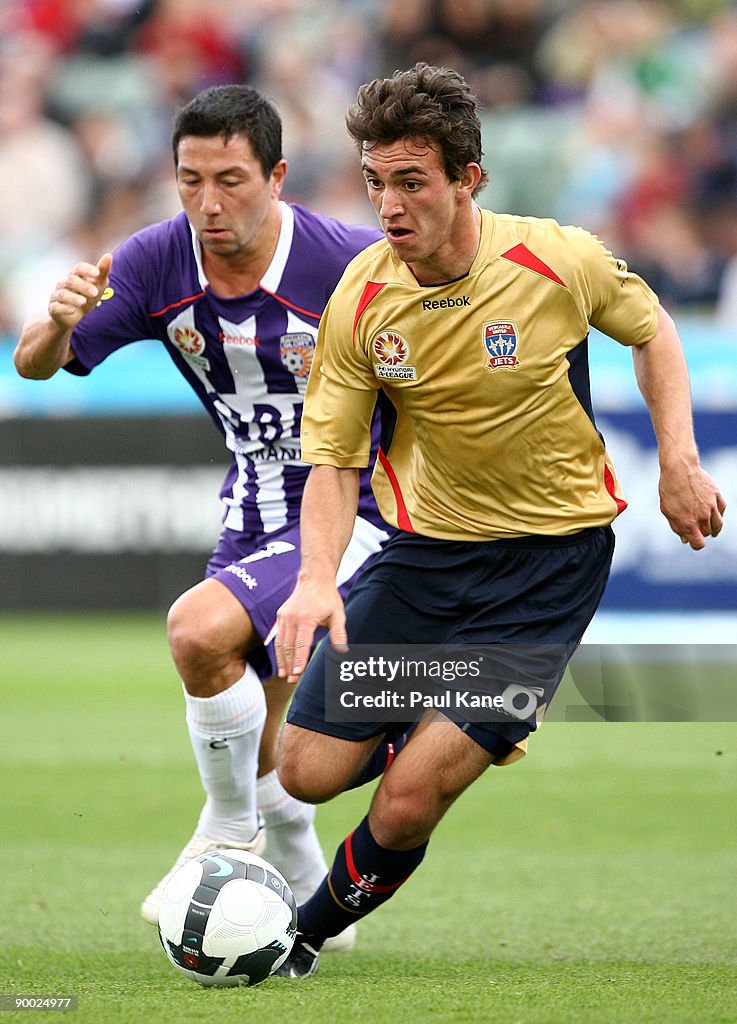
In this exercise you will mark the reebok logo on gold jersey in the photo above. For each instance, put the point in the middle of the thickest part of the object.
(462, 300)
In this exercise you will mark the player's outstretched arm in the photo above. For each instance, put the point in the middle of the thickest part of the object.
(329, 506)
(689, 498)
(44, 344)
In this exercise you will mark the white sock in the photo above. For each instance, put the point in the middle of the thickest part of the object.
(292, 845)
(225, 731)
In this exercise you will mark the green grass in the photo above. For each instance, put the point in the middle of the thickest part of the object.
(592, 883)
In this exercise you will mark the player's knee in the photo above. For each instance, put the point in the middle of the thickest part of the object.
(403, 819)
(195, 635)
(304, 784)
(304, 774)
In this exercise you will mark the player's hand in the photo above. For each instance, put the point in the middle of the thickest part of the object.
(692, 504)
(79, 292)
(310, 606)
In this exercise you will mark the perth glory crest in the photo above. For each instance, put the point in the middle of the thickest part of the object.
(296, 351)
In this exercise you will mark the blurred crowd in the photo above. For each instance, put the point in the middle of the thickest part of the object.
(618, 115)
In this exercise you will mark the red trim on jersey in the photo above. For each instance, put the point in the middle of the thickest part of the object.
(390, 755)
(273, 295)
(358, 879)
(609, 484)
(521, 254)
(290, 305)
(180, 302)
(403, 520)
(370, 292)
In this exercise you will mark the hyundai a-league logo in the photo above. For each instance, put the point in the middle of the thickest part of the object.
(391, 348)
(392, 351)
(500, 344)
(296, 351)
(189, 340)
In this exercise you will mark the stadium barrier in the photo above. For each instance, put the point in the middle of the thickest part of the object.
(106, 513)
(108, 485)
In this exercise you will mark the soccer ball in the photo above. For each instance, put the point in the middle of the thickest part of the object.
(227, 918)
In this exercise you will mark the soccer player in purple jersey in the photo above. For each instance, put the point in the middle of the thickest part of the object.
(234, 287)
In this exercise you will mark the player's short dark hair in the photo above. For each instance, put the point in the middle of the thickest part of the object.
(229, 110)
(425, 102)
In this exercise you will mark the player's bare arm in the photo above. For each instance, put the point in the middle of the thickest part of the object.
(44, 344)
(689, 498)
(328, 513)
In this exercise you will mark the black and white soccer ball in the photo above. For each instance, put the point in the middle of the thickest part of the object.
(227, 918)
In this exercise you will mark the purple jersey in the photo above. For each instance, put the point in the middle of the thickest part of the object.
(247, 358)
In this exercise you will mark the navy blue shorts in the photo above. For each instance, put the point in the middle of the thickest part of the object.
(420, 590)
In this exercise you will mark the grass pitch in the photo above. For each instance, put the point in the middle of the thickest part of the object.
(592, 883)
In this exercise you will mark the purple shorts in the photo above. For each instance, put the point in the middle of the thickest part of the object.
(260, 570)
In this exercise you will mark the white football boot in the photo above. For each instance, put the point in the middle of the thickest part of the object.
(197, 845)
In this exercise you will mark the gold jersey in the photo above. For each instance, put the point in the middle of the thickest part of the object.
(493, 433)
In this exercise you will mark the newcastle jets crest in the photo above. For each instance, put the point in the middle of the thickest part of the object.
(500, 344)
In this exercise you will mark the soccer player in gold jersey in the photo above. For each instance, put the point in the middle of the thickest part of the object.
(472, 328)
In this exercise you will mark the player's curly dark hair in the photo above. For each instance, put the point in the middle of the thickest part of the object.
(426, 102)
(229, 110)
